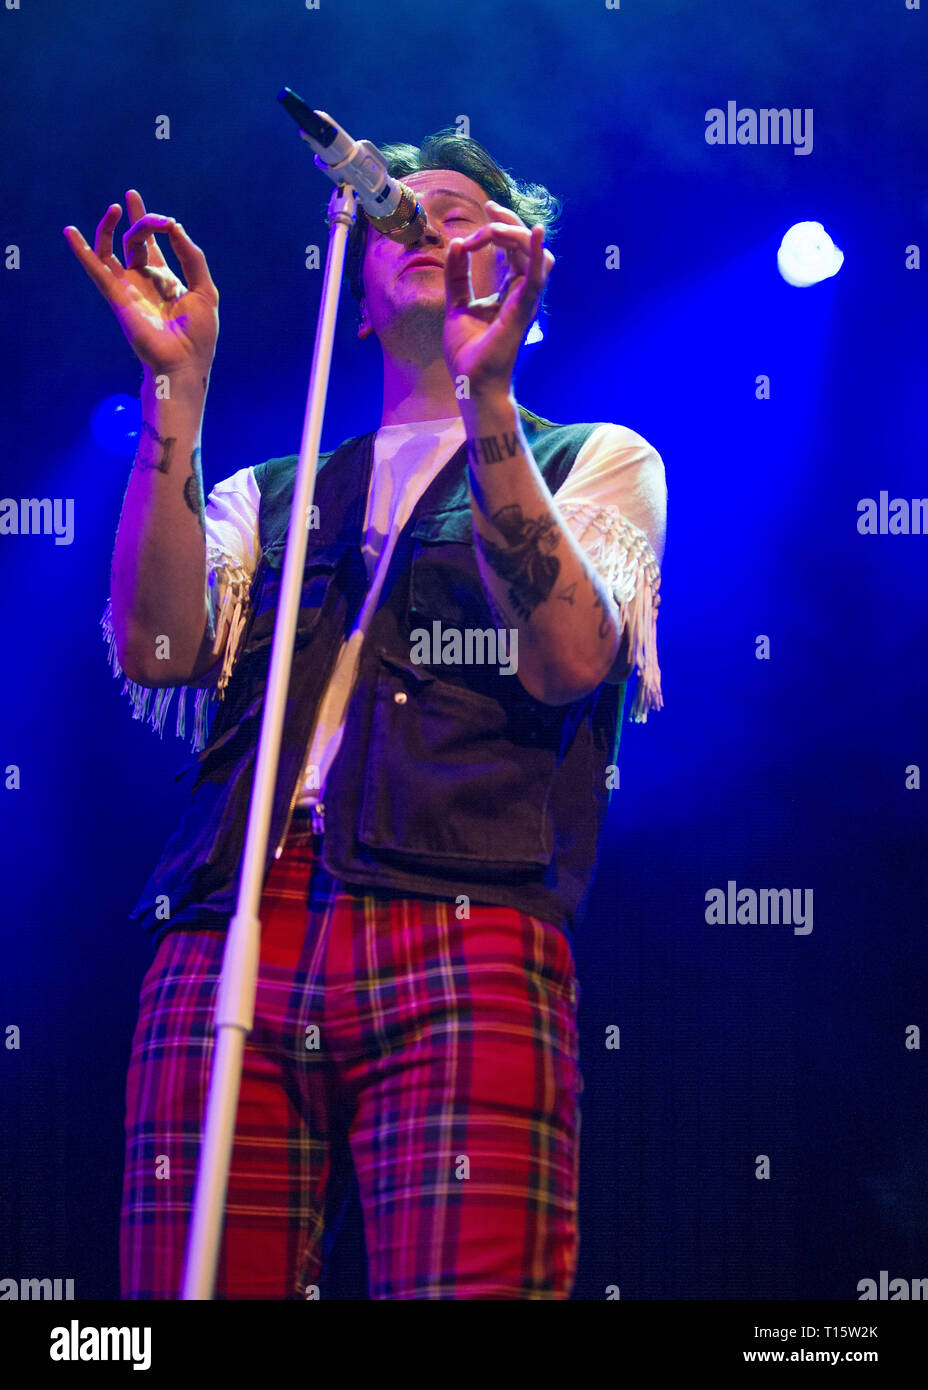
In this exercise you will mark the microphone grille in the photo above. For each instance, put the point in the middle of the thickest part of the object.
(406, 222)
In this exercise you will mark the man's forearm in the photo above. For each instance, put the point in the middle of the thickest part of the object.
(158, 578)
(536, 577)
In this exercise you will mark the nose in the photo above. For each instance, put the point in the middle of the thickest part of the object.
(429, 236)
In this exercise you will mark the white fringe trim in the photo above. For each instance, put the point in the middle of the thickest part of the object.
(229, 584)
(622, 555)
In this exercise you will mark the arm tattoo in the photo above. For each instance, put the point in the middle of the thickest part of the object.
(153, 451)
(193, 490)
(568, 594)
(527, 561)
(493, 447)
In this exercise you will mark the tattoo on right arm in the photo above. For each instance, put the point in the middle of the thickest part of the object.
(526, 562)
(492, 448)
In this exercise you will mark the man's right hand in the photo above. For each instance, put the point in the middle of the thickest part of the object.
(170, 327)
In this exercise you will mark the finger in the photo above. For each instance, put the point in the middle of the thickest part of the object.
(521, 292)
(518, 224)
(500, 234)
(538, 262)
(104, 279)
(504, 214)
(458, 288)
(135, 207)
(535, 275)
(135, 241)
(103, 241)
(514, 241)
(192, 262)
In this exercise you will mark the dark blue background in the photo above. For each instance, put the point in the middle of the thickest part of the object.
(736, 1040)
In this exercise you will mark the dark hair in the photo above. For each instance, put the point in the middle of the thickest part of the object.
(446, 149)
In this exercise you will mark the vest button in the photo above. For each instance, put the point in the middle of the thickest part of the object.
(400, 697)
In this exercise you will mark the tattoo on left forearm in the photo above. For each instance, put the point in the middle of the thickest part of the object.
(527, 561)
(153, 451)
(493, 448)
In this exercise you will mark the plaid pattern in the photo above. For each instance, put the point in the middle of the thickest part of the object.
(448, 1050)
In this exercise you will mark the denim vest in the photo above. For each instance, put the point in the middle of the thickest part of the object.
(449, 780)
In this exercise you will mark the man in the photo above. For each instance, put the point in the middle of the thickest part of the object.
(440, 795)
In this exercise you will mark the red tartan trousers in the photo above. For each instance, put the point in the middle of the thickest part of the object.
(447, 1046)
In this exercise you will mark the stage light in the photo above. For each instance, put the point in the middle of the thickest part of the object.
(115, 422)
(534, 335)
(807, 255)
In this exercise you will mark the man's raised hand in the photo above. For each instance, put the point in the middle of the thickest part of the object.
(482, 337)
(171, 327)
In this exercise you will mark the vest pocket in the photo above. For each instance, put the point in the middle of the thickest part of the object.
(450, 782)
(444, 581)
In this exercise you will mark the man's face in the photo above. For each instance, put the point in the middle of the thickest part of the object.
(396, 291)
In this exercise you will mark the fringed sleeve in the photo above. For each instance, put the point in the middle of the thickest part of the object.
(622, 555)
(228, 590)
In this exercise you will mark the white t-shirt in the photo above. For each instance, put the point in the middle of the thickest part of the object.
(614, 499)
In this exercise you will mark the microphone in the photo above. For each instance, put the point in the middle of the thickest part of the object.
(391, 207)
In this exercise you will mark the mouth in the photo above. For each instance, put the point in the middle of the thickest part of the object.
(422, 263)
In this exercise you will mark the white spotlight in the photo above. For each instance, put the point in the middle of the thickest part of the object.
(807, 255)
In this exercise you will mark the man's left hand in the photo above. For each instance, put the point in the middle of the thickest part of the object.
(482, 337)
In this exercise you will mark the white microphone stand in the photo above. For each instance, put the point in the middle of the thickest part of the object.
(234, 1016)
